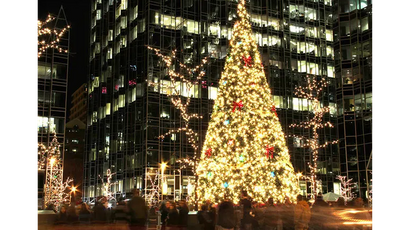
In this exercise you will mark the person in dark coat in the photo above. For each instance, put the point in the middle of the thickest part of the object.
(183, 214)
(72, 214)
(287, 215)
(99, 213)
(226, 215)
(84, 215)
(138, 210)
(62, 215)
(271, 216)
(205, 219)
(319, 214)
(173, 217)
(164, 213)
(246, 203)
(121, 213)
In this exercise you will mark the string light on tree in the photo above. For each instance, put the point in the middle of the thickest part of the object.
(55, 189)
(346, 188)
(239, 160)
(189, 77)
(49, 38)
(312, 92)
(106, 186)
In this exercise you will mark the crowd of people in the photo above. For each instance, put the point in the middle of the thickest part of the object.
(247, 215)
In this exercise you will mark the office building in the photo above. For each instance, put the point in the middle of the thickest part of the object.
(353, 63)
(79, 104)
(52, 92)
(128, 107)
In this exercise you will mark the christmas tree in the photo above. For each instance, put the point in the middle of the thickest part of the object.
(245, 148)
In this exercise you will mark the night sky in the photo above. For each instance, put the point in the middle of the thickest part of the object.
(78, 17)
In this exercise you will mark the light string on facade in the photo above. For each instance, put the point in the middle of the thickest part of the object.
(49, 38)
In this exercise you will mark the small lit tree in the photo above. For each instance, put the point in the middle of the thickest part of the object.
(49, 159)
(107, 193)
(346, 188)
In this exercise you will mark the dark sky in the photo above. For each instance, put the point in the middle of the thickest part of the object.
(78, 17)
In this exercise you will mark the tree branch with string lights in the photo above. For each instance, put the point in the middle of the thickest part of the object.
(107, 193)
(190, 77)
(346, 188)
(313, 92)
(49, 38)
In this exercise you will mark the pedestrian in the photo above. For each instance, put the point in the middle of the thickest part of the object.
(258, 213)
(138, 210)
(164, 213)
(72, 216)
(173, 217)
(246, 203)
(319, 215)
(271, 216)
(84, 215)
(226, 215)
(286, 215)
(121, 213)
(204, 218)
(100, 212)
(302, 214)
(183, 214)
(62, 215)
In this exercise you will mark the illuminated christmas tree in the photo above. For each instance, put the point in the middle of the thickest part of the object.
(245, 148)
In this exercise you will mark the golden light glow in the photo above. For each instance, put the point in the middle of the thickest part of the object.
(73, 189)
(239, 160)
(348, 217)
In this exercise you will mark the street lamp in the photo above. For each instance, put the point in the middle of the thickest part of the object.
(73, 190)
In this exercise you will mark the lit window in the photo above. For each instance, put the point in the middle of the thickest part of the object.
(212, 92)
(74, 141)
(98, 14)
(121, 103)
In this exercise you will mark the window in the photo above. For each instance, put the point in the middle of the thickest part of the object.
(94, 116)
(302, 66)
(98, 14)
(109, 53)
(110, 35)
(75, 141)
(364, 24)
(329, 35)
(124, 4)
(121, 103)
(191, 26)
(108, 109)
(278, 101)
(124, 22)
(74, 150)
(310, 14)
(296, 29)
(212, 92)
(331, 71)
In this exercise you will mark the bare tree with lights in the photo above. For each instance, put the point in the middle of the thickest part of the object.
(107, 193)
(190, 77)
(313, 92)
(346, 188)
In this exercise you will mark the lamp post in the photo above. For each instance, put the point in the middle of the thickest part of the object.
(73, 190)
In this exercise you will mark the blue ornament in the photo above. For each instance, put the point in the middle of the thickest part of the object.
(272, 174)
(224, 82)
(239, 43)
(241, 158)
(226, 122)
(209, 174)
(226, 184)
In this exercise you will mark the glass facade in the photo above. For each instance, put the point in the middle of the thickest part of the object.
(52, 94)
(353, 67)
(127, 112)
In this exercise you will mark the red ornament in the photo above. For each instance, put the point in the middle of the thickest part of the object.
(237, 104)
(208, 152)
(247, 60)
(274, 110)
(269, 151)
